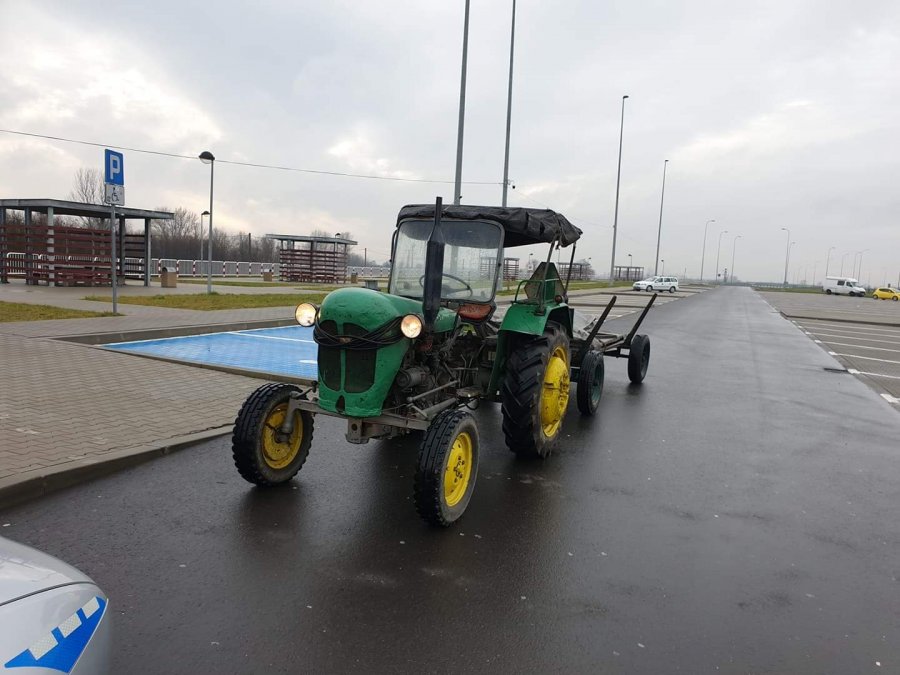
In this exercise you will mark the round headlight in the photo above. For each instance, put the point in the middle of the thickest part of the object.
(411, 326)
(306, 314)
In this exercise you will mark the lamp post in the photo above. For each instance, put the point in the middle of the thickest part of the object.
(733, 247)
(662, 198)
(663, 266)
(462, 110)
(843, 258)
(205, 213)
(703, 255)
(718, 253)
(790, 246)
(859, 268)
(612, 262)
(787, 255)
(815, 267)
(208, 158)
(512, 42)
(827, 259)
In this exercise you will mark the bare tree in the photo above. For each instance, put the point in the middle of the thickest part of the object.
(88, 189)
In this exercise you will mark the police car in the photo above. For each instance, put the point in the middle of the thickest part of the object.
(53, 618)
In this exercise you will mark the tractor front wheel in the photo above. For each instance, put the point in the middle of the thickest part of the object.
(590, 383)
(263, 454)
(535, 393)
(447, 468)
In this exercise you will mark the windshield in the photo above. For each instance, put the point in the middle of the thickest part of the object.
(471, 253)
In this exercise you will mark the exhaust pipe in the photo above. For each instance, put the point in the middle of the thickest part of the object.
(434, 269)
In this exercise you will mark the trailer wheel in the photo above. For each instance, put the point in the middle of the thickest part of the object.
(262, 454)
(638, 358)
(590, 383)
(446, 468)
(535, 393)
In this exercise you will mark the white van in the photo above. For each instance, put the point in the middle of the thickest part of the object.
(843, 286)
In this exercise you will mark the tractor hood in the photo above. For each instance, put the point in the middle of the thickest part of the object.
(361, 347)
(365, 307)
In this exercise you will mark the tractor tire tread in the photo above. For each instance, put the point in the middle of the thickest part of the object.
(427, 485)
(245, 436)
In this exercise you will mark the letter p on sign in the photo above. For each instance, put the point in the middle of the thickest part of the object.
(115, 168)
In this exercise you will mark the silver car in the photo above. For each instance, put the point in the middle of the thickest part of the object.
(53, 618)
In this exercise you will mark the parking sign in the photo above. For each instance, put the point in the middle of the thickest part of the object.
(115, 168)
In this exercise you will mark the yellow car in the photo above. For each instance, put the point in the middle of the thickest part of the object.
(886, 294)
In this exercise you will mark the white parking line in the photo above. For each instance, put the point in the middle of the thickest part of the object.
(268, 337)
(847, 344)
(847, 326)
(867, 358)
(851, 337)
(890, 399)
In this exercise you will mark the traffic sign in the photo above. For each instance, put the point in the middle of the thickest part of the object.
(114, 194)
(115, 168)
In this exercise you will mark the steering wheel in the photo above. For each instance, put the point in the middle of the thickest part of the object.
(467, 287)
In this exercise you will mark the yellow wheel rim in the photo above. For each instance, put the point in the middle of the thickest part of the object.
(277, 454)
(458, 469)
(555, 392)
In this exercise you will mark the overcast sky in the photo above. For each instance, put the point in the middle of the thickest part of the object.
(772, 113)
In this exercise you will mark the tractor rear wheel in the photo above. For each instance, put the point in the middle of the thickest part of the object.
(638, 358)
(535, 393)
(447, 468)
(590, 383)
(262, 453)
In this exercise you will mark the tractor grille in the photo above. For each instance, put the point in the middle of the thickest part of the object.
(359, 375)
(330, 360)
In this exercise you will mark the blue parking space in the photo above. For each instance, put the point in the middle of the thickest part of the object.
(289, 350)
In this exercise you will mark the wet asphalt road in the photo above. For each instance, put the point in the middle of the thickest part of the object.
(737, 513)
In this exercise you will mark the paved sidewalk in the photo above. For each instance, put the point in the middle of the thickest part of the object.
(66, 407)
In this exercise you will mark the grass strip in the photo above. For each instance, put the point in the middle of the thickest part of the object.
(215, 301)
(21, 311)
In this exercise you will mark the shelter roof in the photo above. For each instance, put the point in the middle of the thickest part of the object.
(65, 208)
(522, 226)
(303, 237)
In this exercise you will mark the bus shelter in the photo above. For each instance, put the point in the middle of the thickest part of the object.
(41, 249)
(320, 260)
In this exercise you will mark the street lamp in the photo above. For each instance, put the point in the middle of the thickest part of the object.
(827, 259)
(663, 266)
(790, 246)
(859, 269)
(612, 262)
(733, 247)
(718, 252)
(843, 258)
(462, 110)
(703, 255)
(205, 213)
(512, 43)
(208, 158)
(787, 255)
(662, 198)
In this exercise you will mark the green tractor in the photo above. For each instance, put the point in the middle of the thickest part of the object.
(420, 356)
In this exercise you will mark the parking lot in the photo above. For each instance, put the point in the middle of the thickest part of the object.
(861, 333)
(720, 517)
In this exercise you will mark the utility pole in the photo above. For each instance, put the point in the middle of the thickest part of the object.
(661, 200)
(512, 42)
(462, 110)
(612, 262)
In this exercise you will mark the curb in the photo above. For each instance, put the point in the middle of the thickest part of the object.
(39, 482)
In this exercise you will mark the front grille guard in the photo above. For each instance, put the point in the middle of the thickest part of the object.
(385, 335)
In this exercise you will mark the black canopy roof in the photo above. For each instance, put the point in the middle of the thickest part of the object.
(522, 226)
